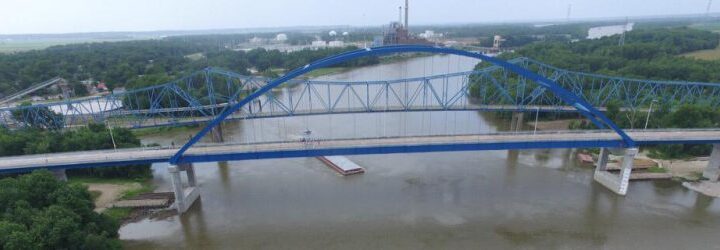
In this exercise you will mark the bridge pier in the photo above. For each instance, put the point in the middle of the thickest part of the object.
(184, 197)
(516, 121)
(217, 134)
(712, 172)
(59, 174)
(616, 183)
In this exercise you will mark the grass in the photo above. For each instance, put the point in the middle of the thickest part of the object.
(20, 45)
(656, 169)
(145, 187)
(94, 194)
(708, 54)
(98, 180)
(118, 213)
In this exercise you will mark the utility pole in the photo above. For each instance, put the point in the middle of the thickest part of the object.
(111, 134)
(707, 10)
(569, 10)
(622, 36)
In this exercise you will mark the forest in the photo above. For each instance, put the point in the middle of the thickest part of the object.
(40, 212)
(651, 53)
(118, 63)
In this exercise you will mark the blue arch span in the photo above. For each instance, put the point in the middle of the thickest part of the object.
(590, 112)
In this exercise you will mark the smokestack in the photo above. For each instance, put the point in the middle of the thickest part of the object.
(407, 27)
(399, 14)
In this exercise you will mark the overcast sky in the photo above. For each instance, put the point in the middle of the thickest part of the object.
(64, 16)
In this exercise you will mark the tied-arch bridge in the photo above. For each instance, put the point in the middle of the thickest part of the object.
(212, 96)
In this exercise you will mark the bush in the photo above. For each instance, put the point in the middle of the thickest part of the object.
(43, 213)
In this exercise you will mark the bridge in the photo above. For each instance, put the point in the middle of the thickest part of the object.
(521, 85)
(29, 90)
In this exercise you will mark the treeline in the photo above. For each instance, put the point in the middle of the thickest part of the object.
(40, 212)
(647, 54)
(664, 116)
(117, 63)
(92, 137)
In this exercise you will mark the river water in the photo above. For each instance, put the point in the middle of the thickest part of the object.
(534, 199)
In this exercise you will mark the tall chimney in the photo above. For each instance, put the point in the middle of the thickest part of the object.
(407, 27)
(399, 14)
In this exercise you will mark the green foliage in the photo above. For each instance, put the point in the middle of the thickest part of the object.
(647, 53)
(134, 64)
(95, 136)
(685, 116)
(38, 118)
(40, 212)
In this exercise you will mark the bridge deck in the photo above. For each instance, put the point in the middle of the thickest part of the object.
(413, 144)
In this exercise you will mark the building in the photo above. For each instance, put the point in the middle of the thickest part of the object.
(603, 31)
(397, 33)
(319, 44)
(281, 37)
(336, 44)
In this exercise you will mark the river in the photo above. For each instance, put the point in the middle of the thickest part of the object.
(460, 200)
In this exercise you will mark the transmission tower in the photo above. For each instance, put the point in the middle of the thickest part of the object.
(622, 35)
(707, 10)
(569, 10)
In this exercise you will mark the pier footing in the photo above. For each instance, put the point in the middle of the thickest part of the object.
(617, 183)
(712, 172)
(184, 196)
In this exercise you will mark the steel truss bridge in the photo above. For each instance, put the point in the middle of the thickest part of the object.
(212, 96)
(198, 97)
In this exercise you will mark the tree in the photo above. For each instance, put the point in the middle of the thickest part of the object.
(43, 213)
(38, 117)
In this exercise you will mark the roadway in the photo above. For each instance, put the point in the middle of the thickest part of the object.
(136, 119)
(383, 145)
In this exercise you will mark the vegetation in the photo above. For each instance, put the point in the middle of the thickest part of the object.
(92, 137)
(40, 212)
(647, 54)
(651, 53)
(140, 63)
(686, 116)
(707, 54)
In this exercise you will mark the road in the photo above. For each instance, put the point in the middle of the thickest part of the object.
(264, 150)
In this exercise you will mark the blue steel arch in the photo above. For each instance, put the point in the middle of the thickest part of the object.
(587, 110)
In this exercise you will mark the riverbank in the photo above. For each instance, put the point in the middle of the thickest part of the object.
(107, 191)
(383, 60)
(688, 171)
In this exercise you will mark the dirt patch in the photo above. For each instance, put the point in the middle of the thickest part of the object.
(689, 170)
(109, 193)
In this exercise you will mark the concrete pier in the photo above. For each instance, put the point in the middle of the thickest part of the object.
(184, 197)
(516, 121)
(616, 183)
(59, 174)
(217, 134)
(712, 172)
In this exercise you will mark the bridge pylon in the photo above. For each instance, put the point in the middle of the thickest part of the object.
(712, 172)
(217, 134)
(184, 196)
(614, 182)
(517, 121)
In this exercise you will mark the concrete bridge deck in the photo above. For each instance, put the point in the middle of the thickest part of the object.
(411, 144)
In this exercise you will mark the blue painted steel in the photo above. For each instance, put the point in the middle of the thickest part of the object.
(194, 98)
(580, 104)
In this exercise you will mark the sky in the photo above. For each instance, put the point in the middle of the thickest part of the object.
(71, 16)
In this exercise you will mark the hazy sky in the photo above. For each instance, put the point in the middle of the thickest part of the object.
(62, 16)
